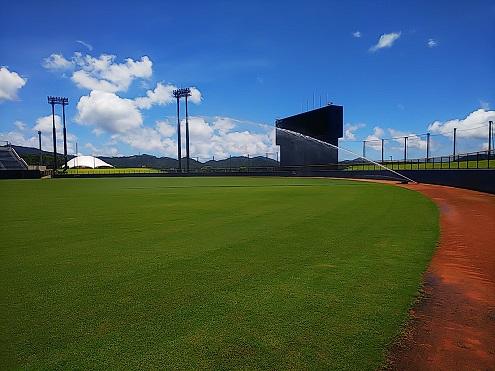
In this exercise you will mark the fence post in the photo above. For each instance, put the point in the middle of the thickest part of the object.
(405, 151)
(382, 149)
(427, 147)
(490, 123)
(455, 137)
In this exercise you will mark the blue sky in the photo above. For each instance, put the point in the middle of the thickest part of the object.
(251, 62)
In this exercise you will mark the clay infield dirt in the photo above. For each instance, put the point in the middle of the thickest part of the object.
(453, 324)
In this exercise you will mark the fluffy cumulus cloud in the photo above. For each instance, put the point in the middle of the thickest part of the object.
(208, 137)
(27, 136)
(101, 151)
(103, 72)
(165, 128)
(474, 125)
(20, 125)
(20, 138)
(57, 62)
(109, 112)
(217, 137)
(374, 140)
(350, 131)
(147, 139)
(45, 124)
(356, 34)
(413, 140)
(223, 124)
(385, 41)
(163, 95)
(10, 84)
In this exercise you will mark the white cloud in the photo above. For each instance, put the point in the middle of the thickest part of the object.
(374, 140)
(208, 137)
(196, 96)
(57, 62)
(165, 128)
(19, 138)
(45, 124)
(413, 140)
(105, 151)
(28, 137)
(485, 105)
(356, 34)
(147, 139)
(108, 112)
(89, 46)
(385, 41)
(474, 125)
(223, 124)
(350, 131)
(83, 79)
(20, 125)
(161, 95)
(198, 128)
(10, 83)
(216, 138)
(103, 73)
(432, 43)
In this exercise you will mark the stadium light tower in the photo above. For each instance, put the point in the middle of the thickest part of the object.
(65, 102)
(53, 101)
(182, 93)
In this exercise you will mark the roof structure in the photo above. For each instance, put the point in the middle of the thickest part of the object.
(87, 161)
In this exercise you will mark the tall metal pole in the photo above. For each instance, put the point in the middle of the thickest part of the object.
(405, 149)
(65, 135)
(455, 135)
(54, 139)
(187, 138)
(427, 147)
(364, 149)
(179, 155)
(383, 141)
(490, 124)
(41, 152)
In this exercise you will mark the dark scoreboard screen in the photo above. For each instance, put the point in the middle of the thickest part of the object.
(325, 123)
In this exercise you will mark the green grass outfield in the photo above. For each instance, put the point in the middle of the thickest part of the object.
(217, 273)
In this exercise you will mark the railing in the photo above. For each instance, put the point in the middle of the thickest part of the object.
(472, 160)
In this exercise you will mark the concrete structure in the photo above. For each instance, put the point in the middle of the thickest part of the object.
(10, 160)
(325, 123)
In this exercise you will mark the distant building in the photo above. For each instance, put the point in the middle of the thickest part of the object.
(325, 123)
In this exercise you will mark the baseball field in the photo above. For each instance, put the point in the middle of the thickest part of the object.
(208, 272)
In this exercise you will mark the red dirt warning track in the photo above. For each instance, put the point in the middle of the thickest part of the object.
(453, 326)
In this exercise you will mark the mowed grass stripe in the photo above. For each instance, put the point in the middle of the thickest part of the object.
(208, 272)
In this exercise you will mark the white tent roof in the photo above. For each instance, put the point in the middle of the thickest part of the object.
(87, 161)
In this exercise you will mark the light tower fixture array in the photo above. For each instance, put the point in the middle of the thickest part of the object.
(178, 94)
